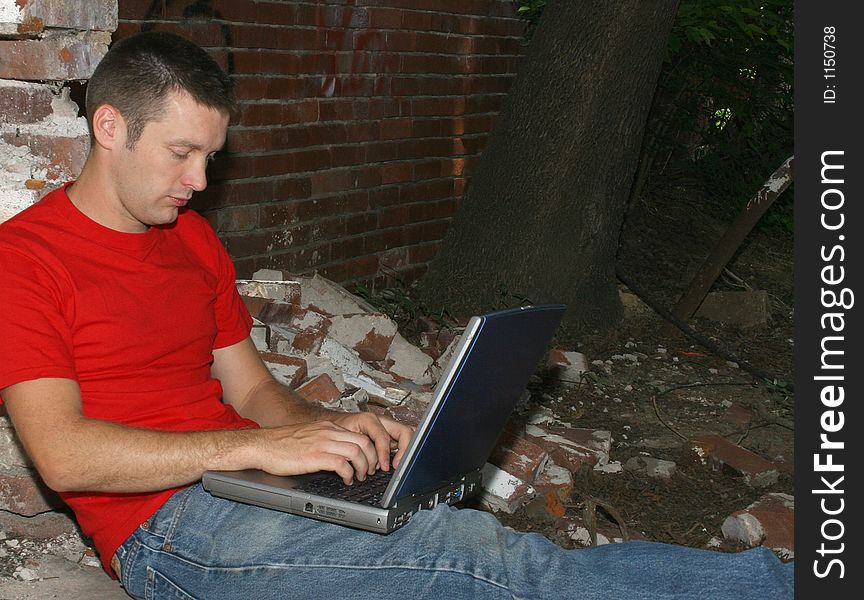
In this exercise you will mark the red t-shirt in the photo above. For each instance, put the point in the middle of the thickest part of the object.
(133, 318)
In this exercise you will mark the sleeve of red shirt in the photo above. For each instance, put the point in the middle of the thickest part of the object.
(232, 318)
(35, 339)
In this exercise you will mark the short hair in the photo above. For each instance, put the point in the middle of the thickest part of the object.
(139, 72)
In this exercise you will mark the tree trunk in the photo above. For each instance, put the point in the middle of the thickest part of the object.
(542, 215)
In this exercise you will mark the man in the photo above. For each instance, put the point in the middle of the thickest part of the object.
(127, 369)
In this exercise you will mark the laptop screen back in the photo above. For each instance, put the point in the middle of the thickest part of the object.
(476, 406)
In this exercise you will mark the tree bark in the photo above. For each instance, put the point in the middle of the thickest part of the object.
(542, 215)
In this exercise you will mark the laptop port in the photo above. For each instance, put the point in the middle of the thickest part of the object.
(309, 508)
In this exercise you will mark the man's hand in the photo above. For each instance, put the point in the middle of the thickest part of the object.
(383, 431)
(352, 445)
(315, 435)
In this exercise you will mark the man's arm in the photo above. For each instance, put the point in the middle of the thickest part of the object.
(76, 453)
(250, 388)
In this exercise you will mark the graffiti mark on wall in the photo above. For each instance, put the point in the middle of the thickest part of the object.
(198, 11)
(358, 43)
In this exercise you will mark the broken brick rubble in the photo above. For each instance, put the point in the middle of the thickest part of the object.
(770, 522)
(716, 449)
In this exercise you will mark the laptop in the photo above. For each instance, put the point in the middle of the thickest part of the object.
(496, 356)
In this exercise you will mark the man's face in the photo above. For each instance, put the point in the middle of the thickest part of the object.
(158, 176)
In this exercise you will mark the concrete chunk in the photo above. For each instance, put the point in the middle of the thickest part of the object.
(653, 467)
(281, 291)
(269, 275)
(345, 360)
(260, 335)
(566, 366)
(324, 296)
(409, 362)
(503, 491)
(571, 447)
(370, 334)
(770, 522)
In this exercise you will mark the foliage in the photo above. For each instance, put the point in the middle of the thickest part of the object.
(398, 303)
(725, 96)
(724, 99)
(530, 11)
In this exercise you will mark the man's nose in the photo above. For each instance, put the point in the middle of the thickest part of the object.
(196, 176)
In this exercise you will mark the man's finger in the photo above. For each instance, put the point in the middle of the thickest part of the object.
(401, 433)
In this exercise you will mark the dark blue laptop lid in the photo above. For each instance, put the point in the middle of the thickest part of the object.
(477, 404)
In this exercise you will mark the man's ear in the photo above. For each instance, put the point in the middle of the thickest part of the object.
(109, 128)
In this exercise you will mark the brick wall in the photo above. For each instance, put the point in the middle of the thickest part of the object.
(360, 121)
(47, 47)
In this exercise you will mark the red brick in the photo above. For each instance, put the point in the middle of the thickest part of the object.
(435, 342)
(409, 411)
(395, 128)
(242, 218)
(331, 181)
(519, 456)
(719, 451)
(435, 230)
(311, 328)
(292, 369)
(378, 241)
(384, 18)
(396, 173)
(347, 248)
(352, 269)
(566, 366)
(426, 190)
(284, 293)
(278, 215)
(25, 103)
(66, 56)
(320, 389)
(554, 479)
(393, 259)
(393, 216)
(413, 19)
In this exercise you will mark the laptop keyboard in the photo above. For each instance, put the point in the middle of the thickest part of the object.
(368, 491)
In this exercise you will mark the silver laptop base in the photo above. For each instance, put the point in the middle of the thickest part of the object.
(260, 489)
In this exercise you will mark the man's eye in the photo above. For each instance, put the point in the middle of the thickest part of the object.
(178, 155)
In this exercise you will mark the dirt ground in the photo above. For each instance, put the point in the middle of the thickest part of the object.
(652, 388)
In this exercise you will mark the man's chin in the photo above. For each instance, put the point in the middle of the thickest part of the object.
(166, 218)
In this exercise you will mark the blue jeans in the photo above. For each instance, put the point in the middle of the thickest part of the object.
(198, 546)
